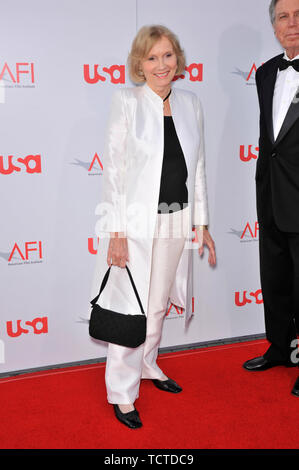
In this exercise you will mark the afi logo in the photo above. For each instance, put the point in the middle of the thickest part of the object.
(178, 310)
(96, 159)
(248, 76)
(240, 302)
(252, 71)
(116, 73)
(37, 326)
(246, 156)
(26, 250)
(248, 234)
(95, 167)
(250, 231)
(19, 71)
(31, 163)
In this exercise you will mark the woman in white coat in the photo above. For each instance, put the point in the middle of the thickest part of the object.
(154, 195)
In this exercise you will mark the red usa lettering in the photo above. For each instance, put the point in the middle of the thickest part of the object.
(245, 300)
(195, 73)
(250, 155)
(39, 325)
(32, 164)
(115, 72)
(91, 248)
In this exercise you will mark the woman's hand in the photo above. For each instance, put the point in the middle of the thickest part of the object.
(205, 238)
(118, 254)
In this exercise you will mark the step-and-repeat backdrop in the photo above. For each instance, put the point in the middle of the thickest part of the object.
(60, 62)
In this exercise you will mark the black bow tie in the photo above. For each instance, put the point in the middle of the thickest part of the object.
(284, 64)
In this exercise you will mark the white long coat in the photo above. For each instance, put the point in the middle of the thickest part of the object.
(132, 162)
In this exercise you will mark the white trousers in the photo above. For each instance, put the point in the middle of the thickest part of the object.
(125, 367)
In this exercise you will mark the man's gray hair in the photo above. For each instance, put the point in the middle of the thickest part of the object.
(272, 10)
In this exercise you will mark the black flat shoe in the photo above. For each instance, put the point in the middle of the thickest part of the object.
(260, 363)
(168, 385)
(295, 390)
(130, 419)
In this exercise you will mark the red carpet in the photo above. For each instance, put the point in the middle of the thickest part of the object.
(222, 406)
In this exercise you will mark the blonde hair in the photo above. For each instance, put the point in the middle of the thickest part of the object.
(145, 39)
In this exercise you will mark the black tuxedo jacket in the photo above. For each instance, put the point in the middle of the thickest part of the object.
(277, 170)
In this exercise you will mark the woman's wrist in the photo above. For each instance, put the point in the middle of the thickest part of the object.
(117, 235)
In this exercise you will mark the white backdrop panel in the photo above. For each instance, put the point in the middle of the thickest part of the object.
(54, 106)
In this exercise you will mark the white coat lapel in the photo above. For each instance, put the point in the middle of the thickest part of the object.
(177, 116)
(186, 126)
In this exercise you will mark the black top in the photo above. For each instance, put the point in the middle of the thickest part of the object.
(174, 171)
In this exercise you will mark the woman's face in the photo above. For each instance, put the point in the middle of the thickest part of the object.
(160, 66)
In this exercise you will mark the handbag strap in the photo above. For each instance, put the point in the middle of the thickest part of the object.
(104, 282)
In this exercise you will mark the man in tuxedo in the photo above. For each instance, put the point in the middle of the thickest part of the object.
(277, 192)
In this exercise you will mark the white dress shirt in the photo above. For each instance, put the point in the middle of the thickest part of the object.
(286, 86)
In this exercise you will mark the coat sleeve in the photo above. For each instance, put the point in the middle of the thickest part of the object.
(113, 198)
(200, 212)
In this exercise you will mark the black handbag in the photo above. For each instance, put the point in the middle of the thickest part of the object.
(118, 328)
